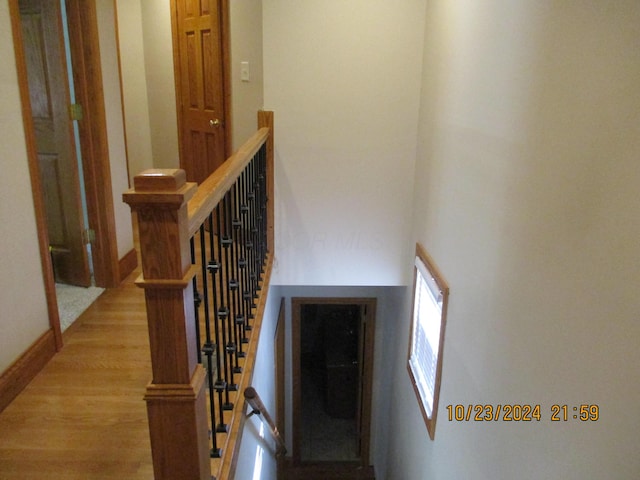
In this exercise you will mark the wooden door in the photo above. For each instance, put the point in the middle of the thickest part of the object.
(200, 85)
(50, 105)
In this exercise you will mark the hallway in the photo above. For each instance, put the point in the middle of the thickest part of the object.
(83, 417)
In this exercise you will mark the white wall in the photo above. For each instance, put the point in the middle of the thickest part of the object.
(527, 197)
(22, 319)
(246, 46)
(343, 79)
(134, 86)
(105, 12)
(161, 96)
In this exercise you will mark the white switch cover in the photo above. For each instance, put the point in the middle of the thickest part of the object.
(244, 71)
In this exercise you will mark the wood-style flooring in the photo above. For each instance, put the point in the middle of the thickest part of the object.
(84, 417)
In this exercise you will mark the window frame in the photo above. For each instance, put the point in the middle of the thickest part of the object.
(436, 279)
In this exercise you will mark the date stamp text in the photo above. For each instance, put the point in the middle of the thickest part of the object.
(522, 413)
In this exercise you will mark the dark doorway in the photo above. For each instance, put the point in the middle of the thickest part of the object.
(332, 364)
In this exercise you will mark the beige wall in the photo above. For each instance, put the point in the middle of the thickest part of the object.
(23, 316)
(134, 86)
(526, 194)
(161, 98)
(343, 79)
(246, 46)
(144, 34)
(115, 129)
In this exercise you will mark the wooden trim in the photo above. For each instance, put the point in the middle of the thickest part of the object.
(296, 386)
(179, 449)
(26, 367)
(121, 85)
(128, 264)
(365, 427)
(430, 421)
(280, 376)
(177, 79)
(367, 393)
(187, 402)
(87, 77)
(168, 284)
(36, 186)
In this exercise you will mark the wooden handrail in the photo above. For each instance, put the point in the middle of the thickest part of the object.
(211, 191)
(254, 400)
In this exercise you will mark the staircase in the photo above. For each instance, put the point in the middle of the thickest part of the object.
(327, 471)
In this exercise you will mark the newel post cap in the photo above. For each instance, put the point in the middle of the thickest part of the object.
(159, 179)
(160, 185)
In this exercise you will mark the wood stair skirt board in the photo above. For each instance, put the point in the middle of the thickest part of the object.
(128, 264)
(328, 471)
(24, 369)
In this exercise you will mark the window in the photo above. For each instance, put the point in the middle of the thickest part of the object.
(430, 295)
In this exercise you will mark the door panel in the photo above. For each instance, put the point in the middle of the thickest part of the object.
(199, 76)
(49, 95)
(50, 181)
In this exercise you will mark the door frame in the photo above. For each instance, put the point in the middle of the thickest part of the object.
(280, 369)
(87, 78)
(369, 306)
(87, 75)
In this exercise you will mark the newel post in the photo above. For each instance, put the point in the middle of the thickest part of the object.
(175, 397)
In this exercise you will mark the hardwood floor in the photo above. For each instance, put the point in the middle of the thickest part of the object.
(83, 417)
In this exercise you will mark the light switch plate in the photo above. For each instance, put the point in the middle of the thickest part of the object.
(244, 71)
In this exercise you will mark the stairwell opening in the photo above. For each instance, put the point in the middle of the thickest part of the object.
(332, 365)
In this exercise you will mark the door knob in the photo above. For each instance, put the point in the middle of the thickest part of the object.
(214, 123)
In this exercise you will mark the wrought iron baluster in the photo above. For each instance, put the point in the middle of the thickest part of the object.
(213, 267)
(246, 249)
(227, 243)
(258, 214)
(237, 292)
(209, 347)
(253, 245)
(256, 221)
(223, 310)
(265, 199)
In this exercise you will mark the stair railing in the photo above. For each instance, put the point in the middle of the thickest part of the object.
(258, 408)
(206, 254)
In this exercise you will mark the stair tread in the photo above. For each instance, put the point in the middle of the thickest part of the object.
(333, 471)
